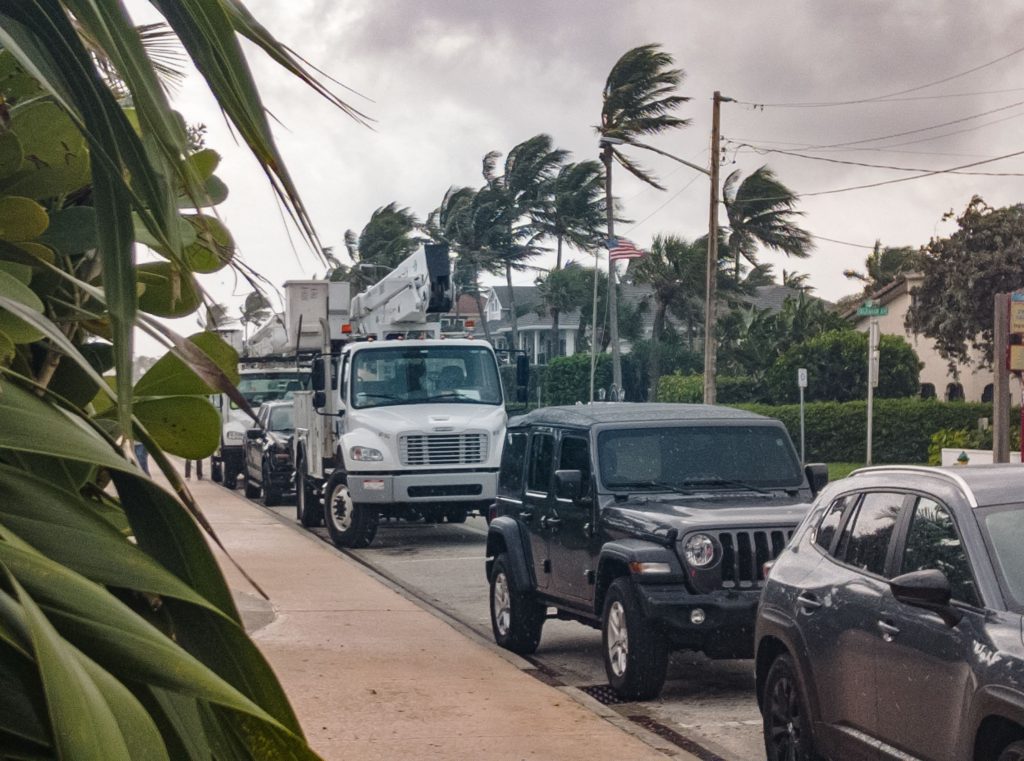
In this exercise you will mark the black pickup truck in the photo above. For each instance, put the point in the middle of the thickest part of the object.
(650, 521)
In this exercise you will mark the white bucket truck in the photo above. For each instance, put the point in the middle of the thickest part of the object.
(400, 422)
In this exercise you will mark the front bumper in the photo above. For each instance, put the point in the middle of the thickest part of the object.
(422, 488)
(729, 617)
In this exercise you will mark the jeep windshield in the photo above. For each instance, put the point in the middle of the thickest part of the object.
(698, 458)
(422, 375)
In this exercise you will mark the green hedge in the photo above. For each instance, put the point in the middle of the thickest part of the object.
(903, 428)
(567, 380)
(508, 382)
(689, 389)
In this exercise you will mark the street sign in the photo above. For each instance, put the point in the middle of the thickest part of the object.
(801, 377)
(1016, 363)
(872, 311)
(1017, 312)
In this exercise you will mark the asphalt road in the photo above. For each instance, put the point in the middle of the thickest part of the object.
(707, 707)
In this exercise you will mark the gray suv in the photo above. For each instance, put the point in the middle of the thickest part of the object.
(649, 521)
(890, 628)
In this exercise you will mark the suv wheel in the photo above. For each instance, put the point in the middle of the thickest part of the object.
(271, 493)
(516, 617)
(786, 720)
(350, 525)
(251, 490)
(635, 653)
(1013, 752)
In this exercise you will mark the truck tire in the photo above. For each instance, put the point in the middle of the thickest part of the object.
(271, 493)
(516, 617)
(350, 526)
(635, 652)
(252, 491)
(216, 472)
(307, 507)
(456, 515)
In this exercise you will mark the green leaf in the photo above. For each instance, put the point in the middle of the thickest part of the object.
(30, 254)
(74, 382)
(170, 376)
(204, 163)
(159, 297)
(20, 272)
(145, 237)
(22, 710)
(16, 329)
(15, 85)
(21, 218)
(10, 154)
(56, 160)
(6, 348)
(214, 248)
(187, 426)
(213, 193)
(72, 230)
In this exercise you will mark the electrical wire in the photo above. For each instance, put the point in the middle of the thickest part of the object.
(673, 197)
(887, 96)
(840, 242)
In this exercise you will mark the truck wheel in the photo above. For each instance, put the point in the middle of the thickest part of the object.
(230, 476)
(350, 525)
(635, 653)
(271, 494)
(307, 506)
(216, 473)
(1013, 752)
(786, 721)
(456, 515)
(252, 491)
(516, 617)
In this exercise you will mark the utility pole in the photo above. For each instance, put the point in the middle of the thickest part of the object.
(711, 282)
(613, 306)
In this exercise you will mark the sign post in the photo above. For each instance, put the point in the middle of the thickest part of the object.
(1015, 355)
(801, 382)
(872, 381)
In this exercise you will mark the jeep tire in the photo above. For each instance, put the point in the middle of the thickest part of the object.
(635, 652)
(350, 526)
(516, 617)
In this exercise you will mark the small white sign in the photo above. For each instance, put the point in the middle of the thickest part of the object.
(801, 377)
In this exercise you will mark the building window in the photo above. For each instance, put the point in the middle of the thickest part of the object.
(954, 392)
(928, 391)
(988, 393)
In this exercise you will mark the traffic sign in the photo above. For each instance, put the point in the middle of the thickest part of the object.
(1017, 312)
(801, 377)
(872, 311)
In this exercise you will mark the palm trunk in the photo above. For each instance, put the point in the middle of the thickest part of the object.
(480, 305)
(654, 366)
(512, 319)
(556, 343)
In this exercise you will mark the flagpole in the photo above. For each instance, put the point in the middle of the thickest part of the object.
(593, 327)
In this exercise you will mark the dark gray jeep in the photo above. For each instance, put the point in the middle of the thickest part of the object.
(650, 521)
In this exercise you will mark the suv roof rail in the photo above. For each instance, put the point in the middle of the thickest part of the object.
(956, 478)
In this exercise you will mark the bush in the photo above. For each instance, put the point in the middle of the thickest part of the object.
(966, 438)
(568, 378)
(903, 428)
(508, 383)
(689, 389)
(837, 370)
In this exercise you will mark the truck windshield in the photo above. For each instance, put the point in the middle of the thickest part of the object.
(421, 375)
(258, 388)
(704, 457)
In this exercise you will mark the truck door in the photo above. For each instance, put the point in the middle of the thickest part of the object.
(537, 502)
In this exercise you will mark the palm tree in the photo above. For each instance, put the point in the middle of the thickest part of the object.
(884, 265)
(760, 211)
(639, 98)
(385, 241)
(522, 194)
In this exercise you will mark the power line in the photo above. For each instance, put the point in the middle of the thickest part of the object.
(670, 200)
(887, 96)
(840, 242)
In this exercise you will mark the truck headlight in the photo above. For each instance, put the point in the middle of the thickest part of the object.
(365, 454)
(699, 550)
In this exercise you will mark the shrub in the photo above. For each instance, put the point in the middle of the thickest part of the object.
(966, 438)
(836, 364)
(567, 380)
(508, 382)
(689, 389)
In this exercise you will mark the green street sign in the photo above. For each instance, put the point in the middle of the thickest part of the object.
(872, 311)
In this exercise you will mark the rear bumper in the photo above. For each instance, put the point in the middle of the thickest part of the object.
(729, 617)
(473, 488)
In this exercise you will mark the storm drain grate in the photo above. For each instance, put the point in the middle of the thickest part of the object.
(667, 733)
(603, 694)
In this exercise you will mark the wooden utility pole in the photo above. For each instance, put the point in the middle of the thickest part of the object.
(1001, 385)
(711, 282)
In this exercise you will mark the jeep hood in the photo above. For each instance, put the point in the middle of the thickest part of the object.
(724, 511)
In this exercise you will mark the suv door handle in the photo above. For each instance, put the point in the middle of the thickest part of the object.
(808, 602)
(889, 631)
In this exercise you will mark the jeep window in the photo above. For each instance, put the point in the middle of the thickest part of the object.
(510, 476)
(542, 458)
(865, 540)
(933, 542)
(758, 455)
(826, 531)
(1004, 527)
(575, 455)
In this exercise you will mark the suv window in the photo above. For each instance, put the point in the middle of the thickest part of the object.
(575, 455)
(831, 521)
(542, 460)
(865, 540)
(510, 477)
(933, 542)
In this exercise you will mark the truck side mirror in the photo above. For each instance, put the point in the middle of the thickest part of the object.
(317, 381)
(254, 433)
(319, 400)
(568, 484)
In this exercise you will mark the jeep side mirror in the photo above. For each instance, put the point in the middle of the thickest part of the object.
(817, 476)
(319, 400)
(568, 484)
(928, 589)
(317, 380)
(254, 433)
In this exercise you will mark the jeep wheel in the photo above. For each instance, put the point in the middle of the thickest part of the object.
(516, 617)
(251, 490)
(307, 507)
(1013, 752)
(635, 653)
(350, 525)
(785, 718)
(271, 493)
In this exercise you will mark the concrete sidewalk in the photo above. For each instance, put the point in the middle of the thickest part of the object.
(372, 675)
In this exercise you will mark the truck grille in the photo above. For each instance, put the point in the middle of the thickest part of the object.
(745, 552)
(443, 449)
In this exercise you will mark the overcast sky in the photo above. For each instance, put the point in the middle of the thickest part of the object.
(448, 81)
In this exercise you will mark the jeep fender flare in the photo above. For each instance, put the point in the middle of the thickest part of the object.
(504, 536)
(616, 557)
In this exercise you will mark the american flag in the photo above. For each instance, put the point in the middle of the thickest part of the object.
(621, 248)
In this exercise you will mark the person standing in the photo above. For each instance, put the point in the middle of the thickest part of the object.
(199, 469)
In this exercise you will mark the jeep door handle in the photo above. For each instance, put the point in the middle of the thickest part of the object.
(889, 631)
(526, 514)
(808, 602)
(549, 522)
